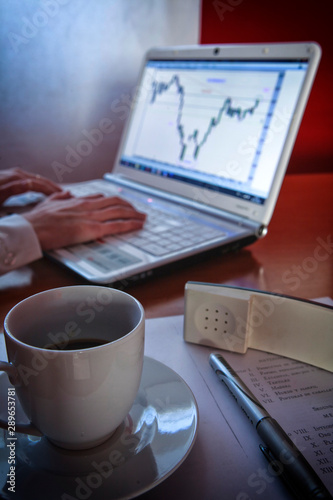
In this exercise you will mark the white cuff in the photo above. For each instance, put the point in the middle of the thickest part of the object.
(19, 244)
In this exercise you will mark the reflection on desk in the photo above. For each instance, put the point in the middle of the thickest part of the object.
(225, 461)
(284, 261)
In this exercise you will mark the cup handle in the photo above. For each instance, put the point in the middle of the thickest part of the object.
(29, 428)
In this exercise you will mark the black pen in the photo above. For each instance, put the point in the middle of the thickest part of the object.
(285, 458)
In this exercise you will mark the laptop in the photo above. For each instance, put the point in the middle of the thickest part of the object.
(204, 154)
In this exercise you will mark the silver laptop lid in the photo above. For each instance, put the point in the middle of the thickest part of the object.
(217, 124)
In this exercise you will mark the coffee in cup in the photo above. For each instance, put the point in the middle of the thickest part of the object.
(75, 359)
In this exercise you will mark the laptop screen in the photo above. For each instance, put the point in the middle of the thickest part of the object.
(216, 124)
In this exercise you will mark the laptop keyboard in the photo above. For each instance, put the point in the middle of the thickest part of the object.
(164, 231)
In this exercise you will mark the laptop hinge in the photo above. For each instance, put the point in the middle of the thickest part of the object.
(258, 228)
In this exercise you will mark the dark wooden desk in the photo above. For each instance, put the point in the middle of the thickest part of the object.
(295, 258)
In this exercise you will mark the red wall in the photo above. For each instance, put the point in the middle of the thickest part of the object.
(239, 21)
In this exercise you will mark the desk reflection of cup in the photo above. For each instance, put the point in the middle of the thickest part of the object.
(75, 358)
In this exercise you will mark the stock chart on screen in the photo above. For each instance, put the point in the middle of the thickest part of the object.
(216, 120)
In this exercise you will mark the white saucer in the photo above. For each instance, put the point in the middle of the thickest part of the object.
(151, 444)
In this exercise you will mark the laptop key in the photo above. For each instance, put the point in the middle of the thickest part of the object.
(156, 249)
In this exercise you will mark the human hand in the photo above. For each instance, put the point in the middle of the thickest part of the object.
(63, 220)
(16, 181)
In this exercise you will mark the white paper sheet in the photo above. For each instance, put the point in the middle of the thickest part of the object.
(298, 395)
(225, 462)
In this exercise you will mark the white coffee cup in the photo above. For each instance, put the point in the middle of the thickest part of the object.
(75, 394)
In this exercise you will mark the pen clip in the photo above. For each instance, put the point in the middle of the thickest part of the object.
(271, 459)
(277, 468)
